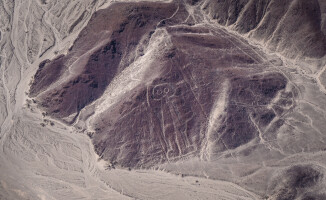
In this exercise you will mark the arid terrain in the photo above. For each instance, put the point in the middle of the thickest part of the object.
(182, 99)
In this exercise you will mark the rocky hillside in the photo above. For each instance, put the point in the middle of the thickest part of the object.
(295, 28)
(117, 98)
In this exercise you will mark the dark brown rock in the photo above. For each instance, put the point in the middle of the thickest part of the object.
(127, 22)
(293, 27)
(295, 181)
(167, 116)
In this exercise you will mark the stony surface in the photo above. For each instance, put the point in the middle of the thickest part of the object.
(292, 27)
(194, 99)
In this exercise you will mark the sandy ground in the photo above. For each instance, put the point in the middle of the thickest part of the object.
(58, 162)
